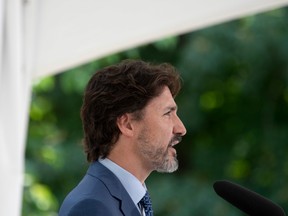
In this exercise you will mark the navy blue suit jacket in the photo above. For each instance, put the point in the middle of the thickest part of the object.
(100, 193)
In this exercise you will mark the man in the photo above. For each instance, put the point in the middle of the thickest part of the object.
(130, 129)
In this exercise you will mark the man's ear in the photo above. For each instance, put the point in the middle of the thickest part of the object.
(124, 124)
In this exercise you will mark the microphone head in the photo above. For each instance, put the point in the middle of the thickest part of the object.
(246, 200)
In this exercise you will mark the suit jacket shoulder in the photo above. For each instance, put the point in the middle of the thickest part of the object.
(99, 193)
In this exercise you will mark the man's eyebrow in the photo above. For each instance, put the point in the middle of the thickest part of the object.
(172, 108)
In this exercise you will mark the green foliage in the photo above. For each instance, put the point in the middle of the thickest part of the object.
(234, 104)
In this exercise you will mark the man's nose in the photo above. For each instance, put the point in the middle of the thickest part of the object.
(179, 127)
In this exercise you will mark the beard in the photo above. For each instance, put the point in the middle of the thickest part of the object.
(159, 157)
(169, 164)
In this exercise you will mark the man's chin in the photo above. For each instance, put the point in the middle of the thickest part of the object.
(168, 166)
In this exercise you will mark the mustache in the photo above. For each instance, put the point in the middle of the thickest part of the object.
(176, 138)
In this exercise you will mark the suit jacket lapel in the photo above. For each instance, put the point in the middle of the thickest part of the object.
(115, 187)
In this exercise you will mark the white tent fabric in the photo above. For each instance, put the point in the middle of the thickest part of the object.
(72, 32)
(39, 38)
(14, 96)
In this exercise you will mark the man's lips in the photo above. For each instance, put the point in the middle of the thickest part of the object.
(175, 140)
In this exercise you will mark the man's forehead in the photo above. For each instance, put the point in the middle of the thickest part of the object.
(164, 100)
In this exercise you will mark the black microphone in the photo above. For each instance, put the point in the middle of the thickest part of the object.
(246, 200)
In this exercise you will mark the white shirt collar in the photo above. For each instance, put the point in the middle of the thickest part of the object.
(132, 185)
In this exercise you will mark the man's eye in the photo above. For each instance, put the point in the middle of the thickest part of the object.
(168, 113)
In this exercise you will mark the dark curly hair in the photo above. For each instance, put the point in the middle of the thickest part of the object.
(115, 90)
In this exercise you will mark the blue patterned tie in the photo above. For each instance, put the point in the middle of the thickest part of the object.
(147, 204)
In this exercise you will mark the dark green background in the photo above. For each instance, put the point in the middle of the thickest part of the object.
(234, 104)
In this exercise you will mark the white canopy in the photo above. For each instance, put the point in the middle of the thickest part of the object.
(39, 38)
